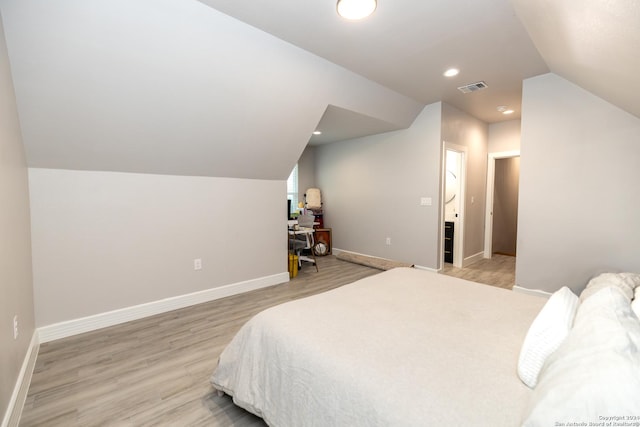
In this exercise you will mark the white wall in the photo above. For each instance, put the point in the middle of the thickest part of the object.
(108, 240)
(371, 189)
(16, 292)
(460, 128)
(579, 204)
(504, 136)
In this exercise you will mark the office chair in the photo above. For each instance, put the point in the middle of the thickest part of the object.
(302, 239)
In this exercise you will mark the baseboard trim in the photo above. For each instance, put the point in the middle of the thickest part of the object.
(115, 317)
(535, 292)
(473, 258)
(336, 251)
(20, 390)
(365, 258)
(422, 267)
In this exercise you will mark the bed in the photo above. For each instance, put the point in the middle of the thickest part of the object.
(401, 348)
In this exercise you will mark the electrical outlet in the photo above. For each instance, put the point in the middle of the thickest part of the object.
(388, 241)
(197, 264)
(15, 327)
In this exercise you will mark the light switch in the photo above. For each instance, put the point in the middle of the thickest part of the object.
(425, 201)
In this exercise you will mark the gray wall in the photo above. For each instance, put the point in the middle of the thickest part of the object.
(579, 204)
(306, 171)
(460, 128)
(109, 240)
(16, 292)
(504, 136)
(371, 189)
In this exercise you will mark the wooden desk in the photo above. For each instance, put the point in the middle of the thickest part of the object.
(323, 235)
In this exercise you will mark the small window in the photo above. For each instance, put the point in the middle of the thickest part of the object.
(292, 189)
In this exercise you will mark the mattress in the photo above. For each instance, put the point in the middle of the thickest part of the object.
(405, 347)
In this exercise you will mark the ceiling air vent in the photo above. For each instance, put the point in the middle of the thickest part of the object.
(472, 87)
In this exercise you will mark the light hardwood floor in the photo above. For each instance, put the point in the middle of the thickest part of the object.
(155, 371)
(498, 271)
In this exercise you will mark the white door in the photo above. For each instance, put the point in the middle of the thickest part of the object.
(453, 187)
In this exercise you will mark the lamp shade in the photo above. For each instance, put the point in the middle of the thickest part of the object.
(356, 9)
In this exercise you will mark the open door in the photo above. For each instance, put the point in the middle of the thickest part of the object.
(503, 182)
(452, 203)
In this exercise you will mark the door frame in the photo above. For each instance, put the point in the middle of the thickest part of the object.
(458, 234)
(491, 182)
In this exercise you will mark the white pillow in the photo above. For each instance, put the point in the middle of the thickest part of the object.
(627, 282)
(550, 327)
(635, 304)
(596, 371)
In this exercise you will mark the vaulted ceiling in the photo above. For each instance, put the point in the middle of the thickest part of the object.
(593, 43)
(407, 45)
(235, 88)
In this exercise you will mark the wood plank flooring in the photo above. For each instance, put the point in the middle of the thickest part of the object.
(155, 371)
(498, 271)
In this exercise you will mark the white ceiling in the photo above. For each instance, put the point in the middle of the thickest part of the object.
(406, 45)
(234, 88)
(339, 124)
(593, 43)
(173, 87)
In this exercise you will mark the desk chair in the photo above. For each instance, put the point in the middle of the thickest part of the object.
(302, 239)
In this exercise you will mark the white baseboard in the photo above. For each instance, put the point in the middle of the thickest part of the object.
(536, 292)
(21, 388)
(421, 267)
(115, 317)
(336, 251)
(471, 259)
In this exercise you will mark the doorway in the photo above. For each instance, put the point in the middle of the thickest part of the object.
(453, 187)
(503, 173)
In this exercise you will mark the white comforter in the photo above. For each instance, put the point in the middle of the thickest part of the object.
(401, 348)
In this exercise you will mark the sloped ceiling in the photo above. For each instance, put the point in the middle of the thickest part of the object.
(172, 87)
(593, 43)
(407, 45)
(339, 124)
(235, 88)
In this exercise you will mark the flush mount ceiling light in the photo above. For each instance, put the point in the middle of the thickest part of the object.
(317, 132)
(355, 9)
(504, 109)
(451, 72)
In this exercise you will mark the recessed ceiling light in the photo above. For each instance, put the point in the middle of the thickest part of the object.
(355, 9)
(317, 132)
(504, 109)
(451, 72)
